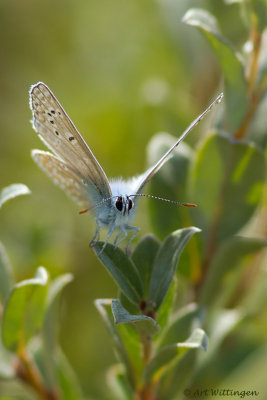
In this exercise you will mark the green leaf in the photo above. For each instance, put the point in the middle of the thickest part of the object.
(236, 99)
(226, 264)
(143, 324)
(6, 281)
(258, 12)
(68, 383)
(104, 308)
(169, 183)
(257, 132)
(169, 385)
(118, 385)
(143, 257)
(181, 325)
(220, 326)
(166, 307)
(7, 359)
(227, 193)
(12, 191)
(122, 270)
(166, 263)
(198, 340)
(51, 325)
(24, 311)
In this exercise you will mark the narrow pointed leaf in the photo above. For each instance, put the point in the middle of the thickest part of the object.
(143, 257)
(68, 382)
(6, 281)
(198, 340)
(12, 191)
(166, 263)
(104, 308)
(24, 311)
(236, 99)
(182, 324)
(122, 270)
(226, 264)
(230, 191)
(51, 325)
(143, 324)
(118, 384)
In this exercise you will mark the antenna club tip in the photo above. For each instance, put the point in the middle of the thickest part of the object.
(83, 211)
(190, 205)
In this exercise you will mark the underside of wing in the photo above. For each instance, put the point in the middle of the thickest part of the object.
(75, 185)
(59, 133)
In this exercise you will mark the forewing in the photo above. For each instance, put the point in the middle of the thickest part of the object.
(59, 133)
(142, 180)
(75, 185)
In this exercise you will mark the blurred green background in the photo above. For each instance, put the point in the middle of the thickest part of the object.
(123, 71)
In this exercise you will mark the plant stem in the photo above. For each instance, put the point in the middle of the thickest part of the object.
(252, 73)
(146, 392)
(28, 372)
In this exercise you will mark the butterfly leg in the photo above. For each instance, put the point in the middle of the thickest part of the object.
(95, 238)
(116, 241)
(136, 231)
(111, 230)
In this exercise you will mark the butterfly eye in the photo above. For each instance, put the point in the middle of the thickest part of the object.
(119, 203)
(130, 204)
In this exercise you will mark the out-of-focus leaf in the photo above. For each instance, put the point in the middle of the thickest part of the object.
(122, 270)
(9, 192)
(7, 359)
(198, 340)
(262, 74)
(6, 281)
(257, 131)
(50, 326)
(119, 386)
(252, 369)
(169, 183)
(6, 371)
(143, 257)
(51, 318)
(226, 181)
(182, 324)
(225, 263)
(169, 385)
(236, 99)
(10, 398)
(255, 299)
(143, 324)
(219, 327)
(104, 308)
(68, 383)
(24, 311)
(258, 12)
(166, 262)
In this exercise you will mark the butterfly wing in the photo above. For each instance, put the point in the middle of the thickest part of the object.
(59, 133)
(140, 181)
(69, 180)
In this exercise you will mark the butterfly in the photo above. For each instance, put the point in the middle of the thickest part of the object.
(74, 168)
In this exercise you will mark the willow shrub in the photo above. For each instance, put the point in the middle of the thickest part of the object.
(160, 334)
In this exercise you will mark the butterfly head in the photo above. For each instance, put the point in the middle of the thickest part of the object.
(123, 204)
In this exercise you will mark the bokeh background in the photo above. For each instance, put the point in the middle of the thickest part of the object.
(123, 71)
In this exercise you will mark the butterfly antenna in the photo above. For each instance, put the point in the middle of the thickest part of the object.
(178, 203)
(97, 204)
